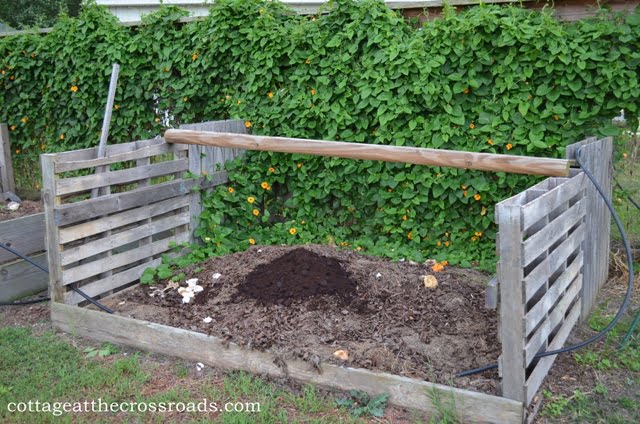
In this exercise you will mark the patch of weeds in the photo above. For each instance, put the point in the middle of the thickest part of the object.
(182, 371)
(106, 349)
(628, 403)
(446, 408)
(359, 403)
(601, 389)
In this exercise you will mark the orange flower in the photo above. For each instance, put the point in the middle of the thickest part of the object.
(477, 196)
(302, 222)
(12, 77)
(239, 101)
(264, 185)
(74, 88)
(446, 243)
(194, 56)
(308, 61)
(625, 155)
(24, 120)
(270, 94)
(472, 125)
(437, 267)
(556, 117)
(185, 98)
(231, 190)
(251, 199)
(490, 142)
(299, 165)
(13, 127)
(478, 233)
(404, 217)
(247, 124)
(116, 107)
(464, 187)
(61, 136)
(43, 147)
(252, 241)
(18, 151)
(509, 146)
(292, 231)
(313, 92)
(466, 90)
(272, 169)
(410, 235)
(438, 243)
(464, 193)
(256, 212)
(474, 238)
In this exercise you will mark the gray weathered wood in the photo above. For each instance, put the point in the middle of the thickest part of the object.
(491, 294)
(113, 241)
(596, 156)
(538, 311)
(25, 234)
(142, 152)
(90, 228)
(404, 392)
(19, 278)
(536, 209)
(51, 201)
(90, 269)
(544, 365)
(7, 182)
(104, 205)
(112, 282)
(512, 309)
(539, 337)
(78, 184)
(543, 239)
(541, 273)
(112, 150)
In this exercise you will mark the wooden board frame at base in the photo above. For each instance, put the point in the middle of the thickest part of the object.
(404, 392)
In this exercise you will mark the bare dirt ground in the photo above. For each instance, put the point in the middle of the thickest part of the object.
(310, 302)
(27, 207)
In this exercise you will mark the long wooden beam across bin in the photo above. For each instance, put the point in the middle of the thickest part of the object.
(404, 154)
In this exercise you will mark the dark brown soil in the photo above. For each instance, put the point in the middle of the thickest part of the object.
(309, 302)
(27, 207)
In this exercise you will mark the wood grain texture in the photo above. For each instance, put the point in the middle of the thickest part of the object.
(25, 234)
(512, 309)
(51, 201)
(19, 278)
(414, 155)
(90, 269)
(596, 156)
(550, 200)
(7, 182)
(404, 392)
(79, 184)
(112, 150)
(544, 365)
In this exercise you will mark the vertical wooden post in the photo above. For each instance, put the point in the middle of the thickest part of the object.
(512, 305)
(7, 183)
(52, 242)
(596, 156)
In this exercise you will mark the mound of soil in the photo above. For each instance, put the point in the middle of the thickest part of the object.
(298, 274)
(275, 298)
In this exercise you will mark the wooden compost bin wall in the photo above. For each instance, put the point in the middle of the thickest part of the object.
(540, 244)
(104, 244)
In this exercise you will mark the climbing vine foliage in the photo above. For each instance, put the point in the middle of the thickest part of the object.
(489, 79)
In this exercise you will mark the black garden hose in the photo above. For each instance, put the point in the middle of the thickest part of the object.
(44, 299)
(625, 301)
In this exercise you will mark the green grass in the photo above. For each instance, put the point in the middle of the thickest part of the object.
(627, 173)
(48, 368)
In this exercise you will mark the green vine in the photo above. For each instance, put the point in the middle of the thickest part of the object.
(489, 79)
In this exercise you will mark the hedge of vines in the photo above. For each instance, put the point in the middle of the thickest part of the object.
(489, 79)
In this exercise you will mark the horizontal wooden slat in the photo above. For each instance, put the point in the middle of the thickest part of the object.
(25, 235)
(540, 274)
(143, 152)
(538, 311)
(521, 198)
(20, 278)
(112, 150)
(113, 222)
(546, 237)
(118, 202)
(77, 184)
(555, 317)
(86, 250)
(402, 154)
(112, 282)
(121, 259)
(542, 367)
(469, 406)
(538, 208)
